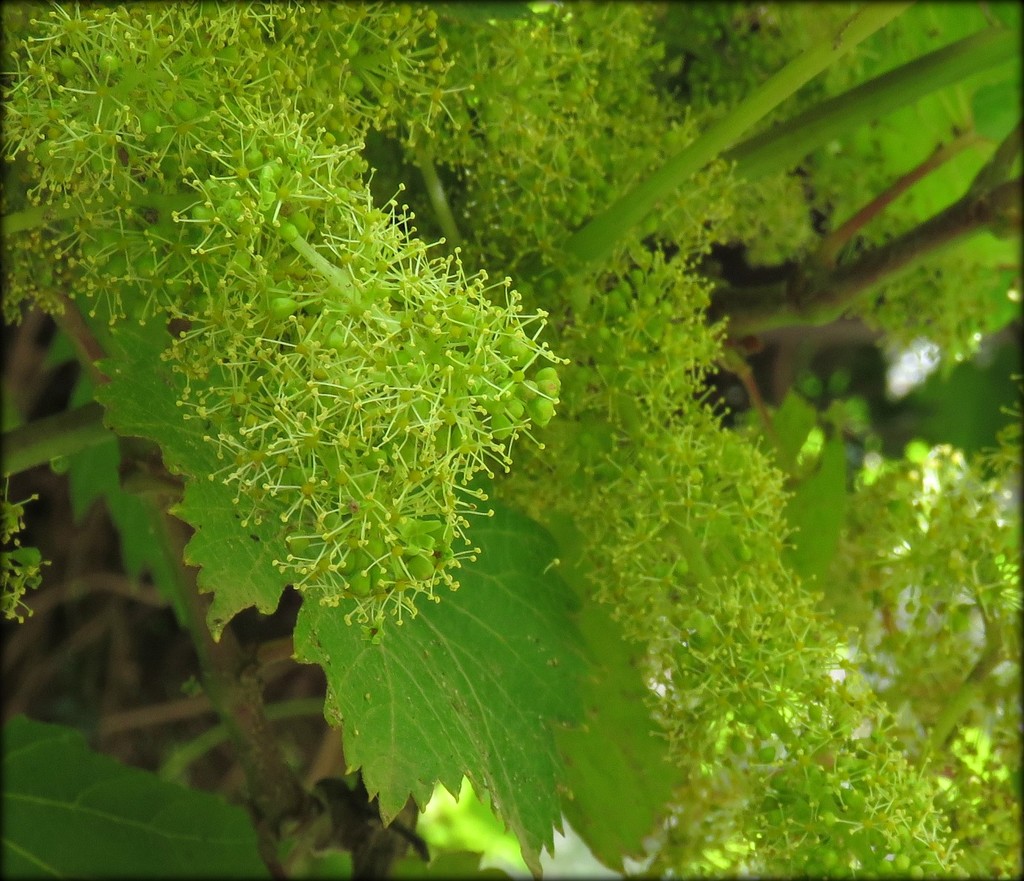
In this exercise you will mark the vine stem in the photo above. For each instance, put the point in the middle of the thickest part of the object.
(41, 215)
(187, 753)
(998, 168)
(87, 347)
(782, 147)
(231, 682)
(810, 296)
(597, 239)
(340, 278)
(961, 700)
(438, 199)
(69, 432)
(63, 434)
(834, 242)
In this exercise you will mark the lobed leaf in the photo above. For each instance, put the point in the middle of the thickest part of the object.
(475, 686)
(93, 473)
(142, 401)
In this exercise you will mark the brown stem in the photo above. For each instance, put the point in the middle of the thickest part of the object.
(82, 338)
(833, 243)
(154, 714)
(274, 651)
(997, 169)
(736, 364)
(811, 296)
(231, 682)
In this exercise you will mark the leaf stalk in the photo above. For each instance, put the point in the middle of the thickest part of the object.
(598, 238)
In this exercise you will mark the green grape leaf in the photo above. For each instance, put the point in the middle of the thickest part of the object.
(70, 812)
(1007, 14)
(93, 474)
(791, 424)
(237, 562)
(141, 549)
(474, 686)
(816, 512)
(141, 400)
(996, 108)
(619, 778)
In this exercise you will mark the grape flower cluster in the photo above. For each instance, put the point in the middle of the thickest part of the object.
(357, 388)
(362, 389)
(21, 564)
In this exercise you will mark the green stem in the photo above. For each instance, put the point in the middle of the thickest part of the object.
(340, 279)
(438, 199)
(783, 146)
(597, 239)
(42, 215)
(33, 218)
(46, 439)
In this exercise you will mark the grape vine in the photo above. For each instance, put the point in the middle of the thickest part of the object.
(346, 386)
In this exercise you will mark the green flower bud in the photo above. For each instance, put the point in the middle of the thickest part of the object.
(281, 307)
(541, 411)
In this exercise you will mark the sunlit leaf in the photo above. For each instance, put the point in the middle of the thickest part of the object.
(816, 512)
